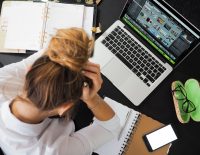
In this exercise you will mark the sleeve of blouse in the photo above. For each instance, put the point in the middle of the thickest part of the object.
(19, 69)
(12, 76)
(93, 136)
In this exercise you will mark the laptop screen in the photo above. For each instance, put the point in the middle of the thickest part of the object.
(160, 28)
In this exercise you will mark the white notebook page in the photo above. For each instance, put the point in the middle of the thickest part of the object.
(88, 20)
(25, 26)
(115, 146)
(62, 16)
(5, 14)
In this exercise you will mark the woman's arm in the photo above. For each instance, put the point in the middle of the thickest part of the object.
(106, 123)
(19, 69)
(101, 110)
(82, 142)
(12, 77)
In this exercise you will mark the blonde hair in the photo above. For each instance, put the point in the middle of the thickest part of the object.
(70, 48)
(55, 78)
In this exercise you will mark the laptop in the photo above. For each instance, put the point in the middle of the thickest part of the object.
(138, 51)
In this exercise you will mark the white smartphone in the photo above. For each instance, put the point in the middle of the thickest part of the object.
(159, 137)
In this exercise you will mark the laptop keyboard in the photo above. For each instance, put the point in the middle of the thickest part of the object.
(134, 56)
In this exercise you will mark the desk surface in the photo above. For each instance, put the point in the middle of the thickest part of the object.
(158, 104)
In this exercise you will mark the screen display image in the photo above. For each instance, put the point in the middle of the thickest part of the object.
(163, 32)
(161, 137)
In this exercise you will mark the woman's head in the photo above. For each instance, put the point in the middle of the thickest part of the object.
(56, 78)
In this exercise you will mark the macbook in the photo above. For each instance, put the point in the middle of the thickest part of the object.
(138, 51)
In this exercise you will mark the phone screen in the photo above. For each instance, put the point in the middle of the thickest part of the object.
(160, 137)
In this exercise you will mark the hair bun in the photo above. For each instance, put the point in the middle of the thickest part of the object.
(70, 48)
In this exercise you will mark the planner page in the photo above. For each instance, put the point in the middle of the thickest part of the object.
(88, 20)
(25, 26)
(62, 15)
(5, 14)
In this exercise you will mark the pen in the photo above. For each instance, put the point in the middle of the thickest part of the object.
(127, 117)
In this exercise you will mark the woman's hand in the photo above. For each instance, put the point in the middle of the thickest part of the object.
(92, 71)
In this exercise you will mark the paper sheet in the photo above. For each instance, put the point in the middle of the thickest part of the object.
(88, 20)
(25, 26)
(5, 14)
(62, 16)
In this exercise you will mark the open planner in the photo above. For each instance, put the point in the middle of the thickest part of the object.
(27, 25)
(130, 140)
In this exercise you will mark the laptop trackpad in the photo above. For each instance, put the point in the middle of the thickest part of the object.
(116, 72)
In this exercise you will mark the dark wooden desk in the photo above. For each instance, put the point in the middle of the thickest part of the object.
(159, 104)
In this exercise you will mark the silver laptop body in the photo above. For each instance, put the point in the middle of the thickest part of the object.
(131, 65)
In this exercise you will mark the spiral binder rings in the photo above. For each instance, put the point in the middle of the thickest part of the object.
(127, 138)
(28, 25)
(131, 141)
(130, 134)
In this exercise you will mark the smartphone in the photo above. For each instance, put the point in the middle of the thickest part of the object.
(159, 137)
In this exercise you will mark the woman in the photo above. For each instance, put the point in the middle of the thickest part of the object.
(47, 84)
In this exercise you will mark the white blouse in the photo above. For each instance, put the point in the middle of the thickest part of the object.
(52, 136)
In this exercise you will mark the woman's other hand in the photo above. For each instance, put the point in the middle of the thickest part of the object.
(91, 71)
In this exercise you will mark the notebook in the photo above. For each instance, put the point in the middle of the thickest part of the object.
(130, 141)
(145, 44)
(30, 25)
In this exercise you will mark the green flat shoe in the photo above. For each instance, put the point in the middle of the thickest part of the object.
(179, 94)
(193, 94)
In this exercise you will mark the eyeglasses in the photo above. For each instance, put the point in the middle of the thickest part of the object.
(180, 94)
